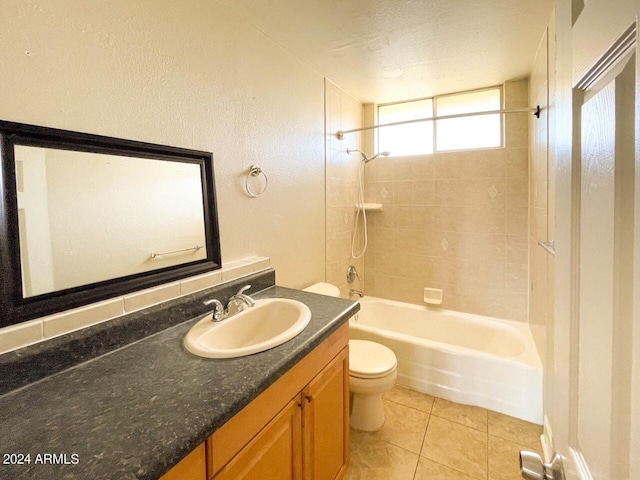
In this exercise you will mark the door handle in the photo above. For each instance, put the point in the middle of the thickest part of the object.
(304, 400)
(533, 468)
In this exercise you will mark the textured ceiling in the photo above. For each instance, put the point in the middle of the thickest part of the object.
(387, 50)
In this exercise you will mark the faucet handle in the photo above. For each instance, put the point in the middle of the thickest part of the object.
(243, 289)
(218, 310)
(352, 274)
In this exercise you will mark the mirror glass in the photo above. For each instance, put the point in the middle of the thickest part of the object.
(85, 217)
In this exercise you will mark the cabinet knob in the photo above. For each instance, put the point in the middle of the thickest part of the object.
(309, 398)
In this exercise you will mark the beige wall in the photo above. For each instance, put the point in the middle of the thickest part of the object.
(343, 112)
(455, 221)
(188, 74)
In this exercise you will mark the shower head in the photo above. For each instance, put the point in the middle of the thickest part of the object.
(384, 153)
(365, 158)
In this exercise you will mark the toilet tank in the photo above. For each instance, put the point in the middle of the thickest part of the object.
(323, 289)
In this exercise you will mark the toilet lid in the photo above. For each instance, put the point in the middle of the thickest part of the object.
(370, 359)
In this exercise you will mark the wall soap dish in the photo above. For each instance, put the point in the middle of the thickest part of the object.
(433, 296)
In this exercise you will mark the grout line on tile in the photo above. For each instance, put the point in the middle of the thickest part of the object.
(371, 435)
(408, 406)
(425, 433)
(519, 444)
(415, 472)
(458, 423)
(449, 466)
(422, 445)
(487, 445)
(453, 468)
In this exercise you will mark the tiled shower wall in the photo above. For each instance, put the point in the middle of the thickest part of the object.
(541, 201)
(342, 112)
(457, 221)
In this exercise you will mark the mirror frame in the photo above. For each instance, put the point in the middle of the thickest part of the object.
(14, 308)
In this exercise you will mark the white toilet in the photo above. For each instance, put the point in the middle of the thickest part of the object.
(323, 288)
(372, 372)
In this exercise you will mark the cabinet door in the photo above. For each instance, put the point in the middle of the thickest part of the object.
(326, 421)
(274, 454)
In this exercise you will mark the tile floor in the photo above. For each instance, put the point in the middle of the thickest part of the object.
(427, 438)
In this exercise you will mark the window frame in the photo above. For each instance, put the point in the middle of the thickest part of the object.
(434, 100)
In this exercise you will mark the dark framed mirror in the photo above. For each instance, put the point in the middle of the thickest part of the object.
(85, 217)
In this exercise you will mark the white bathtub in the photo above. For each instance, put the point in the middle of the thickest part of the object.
(457, 356)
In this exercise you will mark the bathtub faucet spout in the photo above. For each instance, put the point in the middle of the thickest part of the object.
(356, 292)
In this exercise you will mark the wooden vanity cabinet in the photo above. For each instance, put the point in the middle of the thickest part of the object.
(297, 429)
(274, 453)
(191, 467)
(325, 421)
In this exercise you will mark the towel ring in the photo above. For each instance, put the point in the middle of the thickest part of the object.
(254, 171)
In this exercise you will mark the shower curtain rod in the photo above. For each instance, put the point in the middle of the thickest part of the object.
(536, 111)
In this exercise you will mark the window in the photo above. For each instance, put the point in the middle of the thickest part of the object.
(464, 133)
(411, 138)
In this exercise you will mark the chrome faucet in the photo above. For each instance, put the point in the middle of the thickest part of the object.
(218, 310)
(241, 301)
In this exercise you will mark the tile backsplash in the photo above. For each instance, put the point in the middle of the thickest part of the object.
(34, 331)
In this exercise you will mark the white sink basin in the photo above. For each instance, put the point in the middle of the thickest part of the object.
(269, 323)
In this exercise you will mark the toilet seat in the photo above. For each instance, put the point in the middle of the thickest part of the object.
(370, 359)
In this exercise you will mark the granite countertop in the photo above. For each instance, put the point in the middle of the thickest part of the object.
(137, 411)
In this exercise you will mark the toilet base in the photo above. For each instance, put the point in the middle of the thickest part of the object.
(367, 385)
(367, 413)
